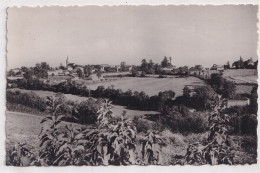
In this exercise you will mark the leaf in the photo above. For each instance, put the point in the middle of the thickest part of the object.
(46, 119)
(44, 140)
(99, 149)
(79, 136)
(60, 117)
(25, 161)
(131, 157)
(80, 147)
(105, 159)
(65, 145)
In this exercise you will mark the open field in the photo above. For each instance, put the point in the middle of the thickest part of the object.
(240, 72)
(244, 89)
(241, 76)
(117, 110)
(242, 79)
(150, 85)
(22, 127)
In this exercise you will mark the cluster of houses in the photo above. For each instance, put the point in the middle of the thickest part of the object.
(71, 70)
(197, 70)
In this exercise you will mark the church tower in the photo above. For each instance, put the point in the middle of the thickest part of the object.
(67, 62)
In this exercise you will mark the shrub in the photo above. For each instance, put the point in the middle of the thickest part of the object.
(86, 111)
(217, 148)
(28, 99)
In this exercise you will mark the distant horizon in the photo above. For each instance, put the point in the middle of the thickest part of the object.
(191, 35)
(64, 63)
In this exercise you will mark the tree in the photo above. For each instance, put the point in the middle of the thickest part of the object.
(165, 96)
(134, 72)
(186, 92)
(229, 89)
(87, 70)
(184, 70)
(99, 73)
(253, 107)
(165, 62)
(28, 74)
(86, 111)
(122, 66)
(45, 66)
(241, 62)
(24, 69)
(216, 81)
(144, 66)
(198, 67)
(151, 69)
(227, 66)
(204, 97)
(256, 64)
(80, 73)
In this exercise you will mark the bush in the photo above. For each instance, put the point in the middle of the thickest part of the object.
(28, 99)
(86, 111)
(162, 76)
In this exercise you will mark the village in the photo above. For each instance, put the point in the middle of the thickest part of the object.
(132, 85)
(100, 73)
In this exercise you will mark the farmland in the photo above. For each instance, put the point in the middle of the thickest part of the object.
(241, 76)
(151, 85)
(117, 110)
(245, 79)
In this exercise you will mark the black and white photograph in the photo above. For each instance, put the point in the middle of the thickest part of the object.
(131, 85)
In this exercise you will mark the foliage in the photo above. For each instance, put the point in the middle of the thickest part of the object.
(87, 70)
(151, 149)
(217, 148)
(222, 86)
(80, 73)
(28, 99)
(135, 100)
(86, 111)
(107, 143)
(20, 155)
(165, 62)
(253, 101)
(204, 98)
(248, 64)
(181, 120)
(99, 72)
(134, 72)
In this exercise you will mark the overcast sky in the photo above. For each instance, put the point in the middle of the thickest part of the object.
(93, 35)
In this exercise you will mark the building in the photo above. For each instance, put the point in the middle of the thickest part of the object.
(238, 102)
(217, 67)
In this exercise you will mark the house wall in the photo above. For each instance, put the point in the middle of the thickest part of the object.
(231, 103)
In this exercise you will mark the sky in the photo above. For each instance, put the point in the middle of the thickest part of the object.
(191, 35)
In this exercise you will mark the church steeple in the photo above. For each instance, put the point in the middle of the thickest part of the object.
(67, 62)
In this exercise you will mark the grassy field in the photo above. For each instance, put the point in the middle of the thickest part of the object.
(22, 127)
(151, 85)
(244, 89)
(117, 110)
(243, 79)
(25, 128)
(240, 76)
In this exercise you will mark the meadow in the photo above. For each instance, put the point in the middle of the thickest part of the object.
(241, 76)
(117, 109)
(150, 85)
